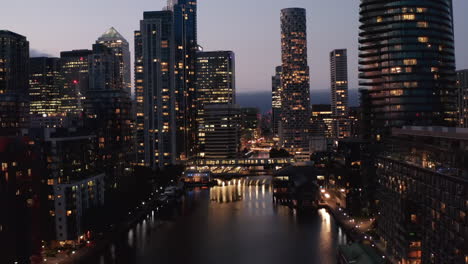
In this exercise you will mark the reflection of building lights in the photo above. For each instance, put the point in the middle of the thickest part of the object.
(342, 190)
(322, 190)
(327, 196)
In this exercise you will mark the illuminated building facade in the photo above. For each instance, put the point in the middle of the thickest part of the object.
(219, 133)
(14, 61)
(276, 89)
(44, 86)
(423, 195)
(156, 93)
(295, 97)
(215, 78)
(103, 70)
(407, 63)
(185, 38)
(75, 71)
(120, 47)
(322, 121)
(139, 102)
(462, 85)
(339, 93)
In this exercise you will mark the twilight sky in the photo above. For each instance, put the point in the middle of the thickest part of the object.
(251, 28)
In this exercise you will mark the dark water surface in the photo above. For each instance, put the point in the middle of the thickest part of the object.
(232, 224)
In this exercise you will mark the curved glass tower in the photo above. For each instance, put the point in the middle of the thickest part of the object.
(407, 62)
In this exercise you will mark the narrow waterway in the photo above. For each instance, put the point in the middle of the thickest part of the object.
(231, 224)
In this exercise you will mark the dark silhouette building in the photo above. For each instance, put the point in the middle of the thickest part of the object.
(14, 102)
(407, 63)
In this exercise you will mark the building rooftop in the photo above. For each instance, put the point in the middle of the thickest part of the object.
(111, 34)
(360, 254)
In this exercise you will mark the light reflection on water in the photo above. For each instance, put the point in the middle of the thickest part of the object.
(230, 224)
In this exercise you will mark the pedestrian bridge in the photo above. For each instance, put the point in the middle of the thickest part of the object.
(241, 162)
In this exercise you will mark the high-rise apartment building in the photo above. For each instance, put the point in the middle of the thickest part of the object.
(108, 113)
(462, 86)
(120, 47)
(155, 89)
(185, 43)
(407, 63)
(276, 89)
(14, 61)
(295, 96)
(339, 93)
(422, 195)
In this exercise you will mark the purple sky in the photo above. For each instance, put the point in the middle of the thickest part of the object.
(250, 28)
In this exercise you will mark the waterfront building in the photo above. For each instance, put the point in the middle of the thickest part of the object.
(14, 102)
(219, 132)
(74, 184)
(407, 63)
(74, 67)
(339, 93)
(462, 86)
(155, 90)
(276, 89)
(120, 47)
(185, 43)
(295, 96)
(423, 189)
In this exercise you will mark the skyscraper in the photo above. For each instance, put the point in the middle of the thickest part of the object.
(185, 38)
(462, 85)
(156, 93)
(215, 82)
(339, 93)
(14, 61)
(104, 70)
(276, 89)
(44, 86)
(108, 114)
(119, 45)
(295, 97)
(75, 70)
(407, 63)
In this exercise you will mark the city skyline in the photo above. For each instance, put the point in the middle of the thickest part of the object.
(341, 28)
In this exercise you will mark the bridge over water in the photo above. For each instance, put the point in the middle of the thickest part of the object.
(231, 168)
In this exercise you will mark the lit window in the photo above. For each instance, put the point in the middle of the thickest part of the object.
(409, 17)
(423, 39)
